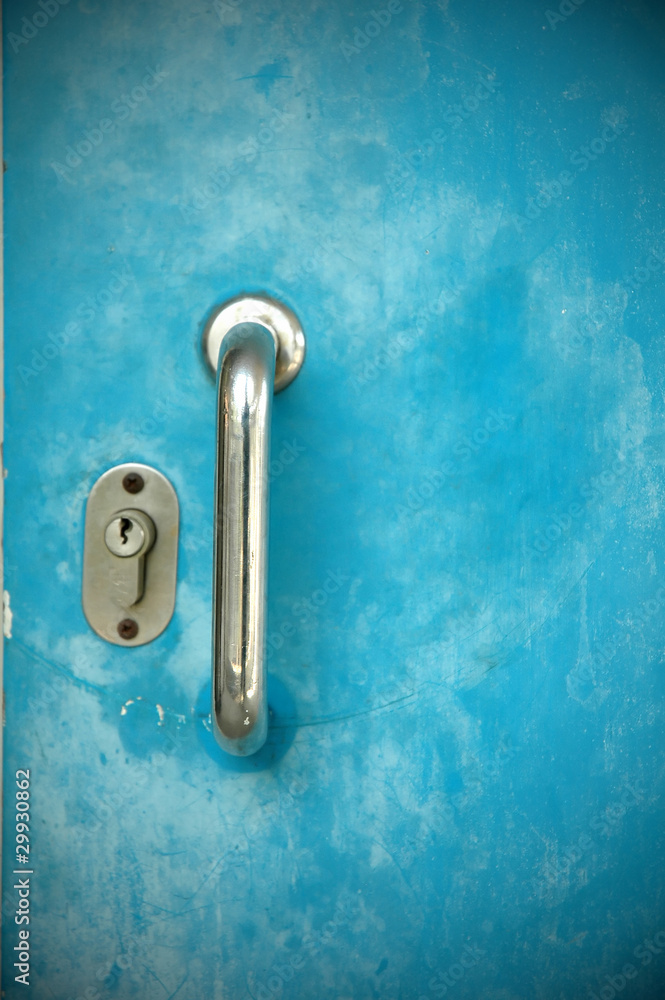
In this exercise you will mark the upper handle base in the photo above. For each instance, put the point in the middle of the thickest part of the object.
(278, 318)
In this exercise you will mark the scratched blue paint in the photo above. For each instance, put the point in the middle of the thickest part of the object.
(465, 754)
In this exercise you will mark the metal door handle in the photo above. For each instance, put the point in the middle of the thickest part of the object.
(255, 346)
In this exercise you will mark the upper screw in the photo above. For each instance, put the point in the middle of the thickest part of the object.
(133, 483)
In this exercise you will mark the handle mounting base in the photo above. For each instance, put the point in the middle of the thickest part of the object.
(278, 318)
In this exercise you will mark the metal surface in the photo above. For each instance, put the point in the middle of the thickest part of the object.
(245, 387)
(466, 592)
(130, 556)
(278, 318)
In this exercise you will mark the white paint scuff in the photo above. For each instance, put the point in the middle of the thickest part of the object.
(6, 615)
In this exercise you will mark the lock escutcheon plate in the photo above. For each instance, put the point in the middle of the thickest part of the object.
(105, 575)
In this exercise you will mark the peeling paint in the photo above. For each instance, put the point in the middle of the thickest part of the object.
(7, 615)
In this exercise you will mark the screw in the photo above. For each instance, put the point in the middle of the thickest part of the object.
(128, 629)
(133, 483)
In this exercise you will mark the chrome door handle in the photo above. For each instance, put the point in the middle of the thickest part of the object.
(255, 346)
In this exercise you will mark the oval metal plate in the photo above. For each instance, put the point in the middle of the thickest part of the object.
(102, 607)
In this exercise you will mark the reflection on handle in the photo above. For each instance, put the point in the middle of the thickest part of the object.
(245, 386)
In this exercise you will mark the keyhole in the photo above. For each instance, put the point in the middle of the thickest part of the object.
(125, 526)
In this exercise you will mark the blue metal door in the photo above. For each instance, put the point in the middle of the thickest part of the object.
(462, 788)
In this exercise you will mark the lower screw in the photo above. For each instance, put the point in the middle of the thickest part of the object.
(128, 629)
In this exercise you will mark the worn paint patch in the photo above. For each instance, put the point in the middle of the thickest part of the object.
(7, 615)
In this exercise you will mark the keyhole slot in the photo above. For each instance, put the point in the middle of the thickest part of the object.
(125, 526)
